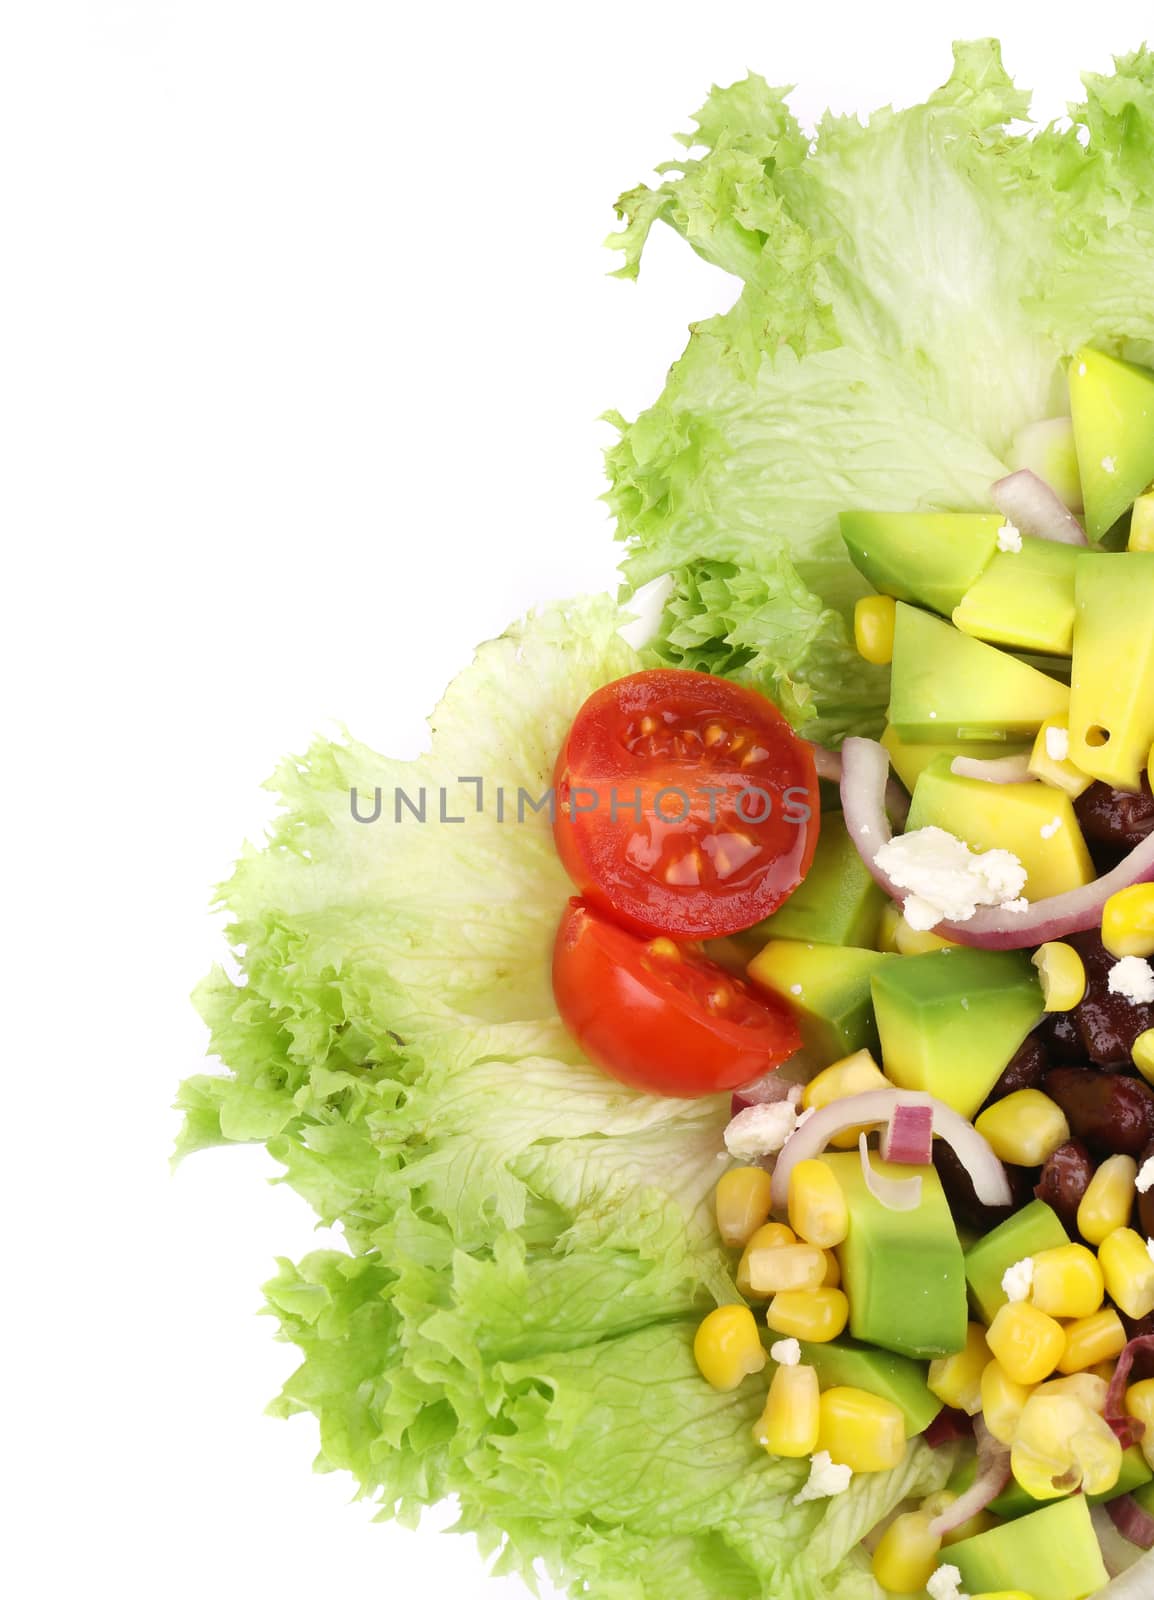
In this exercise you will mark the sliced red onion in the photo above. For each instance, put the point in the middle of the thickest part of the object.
(1123, 1561)
(993, 1474)
(1131, 1521)
(909, 1138)
(767, 1091)
(896, 1194)
(1034, 509)
(829, 767)
(1002, 769)
(987, 1174)
(1115, 1412)
(865, 764)
(827, 762)
(948, 1427)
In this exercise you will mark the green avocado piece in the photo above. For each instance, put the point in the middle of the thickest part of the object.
(828, 989)
(903, 1271)
(909, 761)
(1024, 599)
(1047, 450)
(880, 1372)
(1112, 682)
(931, 557)
(1015, 1502)
(1054, 1550)
(1112, 405)
(1036, 1227)
(838, 902)
(946, 686)
(950, 1020)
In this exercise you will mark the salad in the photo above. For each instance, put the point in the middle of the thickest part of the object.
(729, 1060)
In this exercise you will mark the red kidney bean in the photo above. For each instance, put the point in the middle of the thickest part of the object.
(1114, 1115)
(964, 1204)
(1061, 1036)
(1028, 1066)
(1146, 1201)
(1107, 1024)
(1064, 1180)
(1114, 818)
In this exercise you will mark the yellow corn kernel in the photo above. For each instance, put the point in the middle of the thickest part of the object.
(1143, 1054)
(1025, 1128)
(1003, 1398)
(787, 1266)
(860, 1430)
(816, 1315)
(907, 1553)
(934, 1504)
(887, 935)
(1087, 1387)
(1100, 1369)
(789, 1424)
(1108, 1200)
(1067, 1282)
(1062, 975)
(727, 1347)
(957, 1379)
(1059, 774)
(1142, 524)
(911, 942)
(1139, 1403)
(817, 1206)
(1128, 1271)
(770, 1236)
(1091, 1340)
(1128, 921)
(742, 1200)
(1027, 1342)
(1061, 1446)
(832, 1279)
(873, 628)
(852, 1075)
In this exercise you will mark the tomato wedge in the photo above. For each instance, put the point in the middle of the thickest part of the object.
(658, 1015)
(685, 804)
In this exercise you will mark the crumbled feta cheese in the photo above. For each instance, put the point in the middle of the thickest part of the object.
(760, 1130)
(1057, 744)
(1018, 1280)
(1133, 979)
(824, 1479)
(1108, 464)
(1150, 1248)
(1145, 1178)
(1009, 539)
(945, 1583)
(795, 988)
(786, 1352)
(946, 879)
(1049, 829)
(1018, 905)
(933, 716)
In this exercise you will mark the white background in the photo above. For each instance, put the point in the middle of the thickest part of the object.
(306, 331)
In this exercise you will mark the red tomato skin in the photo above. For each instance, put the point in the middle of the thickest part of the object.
(598, 849)
(647, 1033)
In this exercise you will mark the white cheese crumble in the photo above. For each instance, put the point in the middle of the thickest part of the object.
(1145, 1178)
(1009, 538)
(945, 1583)
(760, 1130)
(1018, 1280)
(1133, 979)
(824, 1479)
(1049, 829)
(947, 880)
(795, 988)
(1150, 1248)
(1108, 464)
(786, 1352)
(1057, 744)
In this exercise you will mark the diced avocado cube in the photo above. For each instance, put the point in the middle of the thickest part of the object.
(838, 901)
(1015, 1502)
(931, 557)
(1054, 1550)
(1112, 684)
(1047, 450)
(946, 686)
(828, 989)
(1030, 819)
(880, 1372)
(950, 1020)
(1024, 599)
(909, 761)
(903, 1270)
(1036, 1227)
(1112, 405)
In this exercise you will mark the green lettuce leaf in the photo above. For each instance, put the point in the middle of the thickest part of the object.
(911, 287)
(530, 1245)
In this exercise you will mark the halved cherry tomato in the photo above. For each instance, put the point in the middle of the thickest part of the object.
(658, 1015)
(685, 804)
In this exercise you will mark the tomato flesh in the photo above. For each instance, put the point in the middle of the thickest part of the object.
(660, 1016)
(686, 804)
